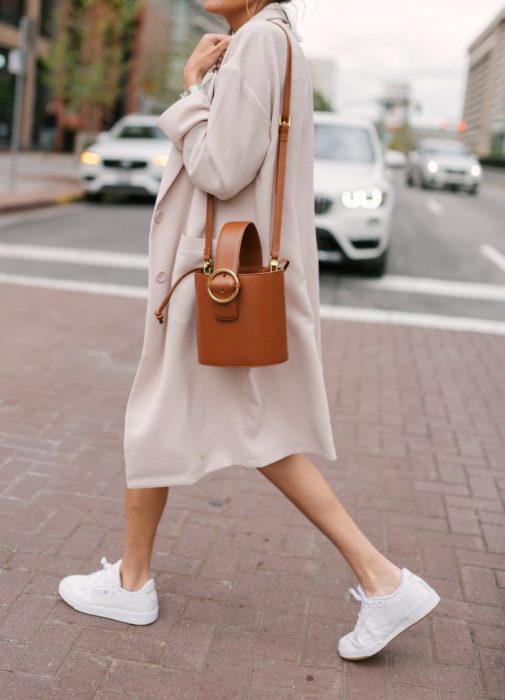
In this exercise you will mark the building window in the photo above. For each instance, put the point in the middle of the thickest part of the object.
(47, 9)
(11, 11)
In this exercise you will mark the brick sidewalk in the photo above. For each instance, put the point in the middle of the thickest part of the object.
(42, 179)
(253, 597)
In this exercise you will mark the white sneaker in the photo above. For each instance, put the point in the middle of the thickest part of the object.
(381, 618)
(102, 594)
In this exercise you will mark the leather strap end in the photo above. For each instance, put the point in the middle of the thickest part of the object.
(159, 315)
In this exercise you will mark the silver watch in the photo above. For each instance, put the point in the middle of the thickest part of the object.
(197, 87)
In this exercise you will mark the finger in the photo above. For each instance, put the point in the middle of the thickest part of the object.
(220, 48)
(217, 38)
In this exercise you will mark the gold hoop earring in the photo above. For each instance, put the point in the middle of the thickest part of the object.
(247, 8)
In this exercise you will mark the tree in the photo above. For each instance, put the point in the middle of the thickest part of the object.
(89, 58)
(321, 103)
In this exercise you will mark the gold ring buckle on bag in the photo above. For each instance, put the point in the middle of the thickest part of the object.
(235, 291)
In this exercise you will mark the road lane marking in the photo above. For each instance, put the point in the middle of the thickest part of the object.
(405, 318)
(76, 256)
(494, 255)
(434, 206)
(393, 283)
(344, 313)
(119, 290)
(428, 285)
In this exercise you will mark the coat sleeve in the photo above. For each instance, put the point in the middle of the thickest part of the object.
(225, 140)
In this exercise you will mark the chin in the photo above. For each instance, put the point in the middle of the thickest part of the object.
(214, 6)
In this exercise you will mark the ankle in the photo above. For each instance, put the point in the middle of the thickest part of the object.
(133, 579)
(381, 580)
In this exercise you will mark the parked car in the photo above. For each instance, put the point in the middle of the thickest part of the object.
(439, 163)
(128, 159)
(394, 158)
(353, 195)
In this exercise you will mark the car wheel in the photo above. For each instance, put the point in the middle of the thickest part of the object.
(93, 196)
(474, 189)
(375, 267)
(410, 180)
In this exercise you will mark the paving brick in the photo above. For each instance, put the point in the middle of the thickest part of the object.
(253, 599)
(147, 681)
(9, 654)
(222, 679)
(119, 645)
(453, 642)
(402, 691)
(25, 616)
(81, 676)
(47, 649)
(189, 645)
(493, 668)
(20, 686)
(479, 586)
(429, 674)
(494, 537)
(489, 636)
(303, 681)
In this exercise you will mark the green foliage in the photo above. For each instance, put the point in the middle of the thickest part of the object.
(401, 139)
(320, 103)
(86, 61)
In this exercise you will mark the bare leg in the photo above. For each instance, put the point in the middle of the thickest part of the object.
(305, 486)
(143, 511)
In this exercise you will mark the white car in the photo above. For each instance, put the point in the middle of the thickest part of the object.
(354, 196)
(438, 163)
(128, 159)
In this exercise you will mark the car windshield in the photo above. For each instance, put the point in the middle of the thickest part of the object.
(140, 131)
(445, 148)
(346, 143)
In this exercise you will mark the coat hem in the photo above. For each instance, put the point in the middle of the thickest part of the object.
(188, 479)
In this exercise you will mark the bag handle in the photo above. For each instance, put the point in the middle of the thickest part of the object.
(280, 172)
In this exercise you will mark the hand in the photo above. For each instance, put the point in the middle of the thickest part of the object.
(208, 52)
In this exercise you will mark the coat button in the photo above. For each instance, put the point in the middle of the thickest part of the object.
(161, 276)
(158, 216)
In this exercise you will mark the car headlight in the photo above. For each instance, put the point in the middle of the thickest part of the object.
(476, 170)
(90, 158)
(433, 166)
(363, 199)
(160, 161)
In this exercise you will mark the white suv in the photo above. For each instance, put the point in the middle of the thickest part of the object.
(354, 196)
(438, 163)
(128, 159)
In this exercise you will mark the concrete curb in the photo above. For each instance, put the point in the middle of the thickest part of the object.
(41, 200)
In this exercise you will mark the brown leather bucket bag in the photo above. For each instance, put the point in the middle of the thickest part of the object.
(240, 303)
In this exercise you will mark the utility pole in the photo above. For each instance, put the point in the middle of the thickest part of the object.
(17, 66)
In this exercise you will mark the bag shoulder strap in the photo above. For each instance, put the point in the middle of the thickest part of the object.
(284, 124)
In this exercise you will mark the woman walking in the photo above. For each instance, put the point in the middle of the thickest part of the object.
(186, 419)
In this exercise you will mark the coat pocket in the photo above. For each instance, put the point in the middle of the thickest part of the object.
(189, 253)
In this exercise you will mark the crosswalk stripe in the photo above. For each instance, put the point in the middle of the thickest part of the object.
(344, 313)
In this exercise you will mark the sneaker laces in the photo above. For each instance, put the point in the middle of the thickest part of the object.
(365, 603)
(106, 575)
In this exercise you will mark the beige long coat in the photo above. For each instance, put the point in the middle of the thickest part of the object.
(184, 420)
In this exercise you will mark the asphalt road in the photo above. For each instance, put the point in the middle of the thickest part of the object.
(447, 252)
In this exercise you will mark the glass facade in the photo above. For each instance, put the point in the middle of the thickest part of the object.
(47, 16)
(11, 11)
(6, 99)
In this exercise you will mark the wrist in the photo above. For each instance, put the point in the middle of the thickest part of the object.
(191, 78)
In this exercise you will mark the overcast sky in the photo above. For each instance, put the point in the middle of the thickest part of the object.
(373, 41)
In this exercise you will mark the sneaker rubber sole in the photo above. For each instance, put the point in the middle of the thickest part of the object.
(415, 615)
(132, 618)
